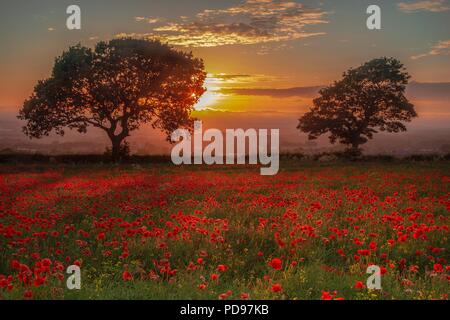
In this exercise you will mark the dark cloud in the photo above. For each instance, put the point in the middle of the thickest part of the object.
(414, 91)
(276, 93)
(429, 91)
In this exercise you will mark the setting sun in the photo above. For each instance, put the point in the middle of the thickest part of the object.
(212, 95)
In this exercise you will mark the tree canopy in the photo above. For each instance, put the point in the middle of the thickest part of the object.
(117, 86)
(368, 99)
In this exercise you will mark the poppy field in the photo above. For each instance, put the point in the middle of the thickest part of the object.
(225, 232)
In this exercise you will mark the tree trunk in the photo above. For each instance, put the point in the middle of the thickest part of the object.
(354, 151)
(355, 147)
(116, 140)
(115, 150)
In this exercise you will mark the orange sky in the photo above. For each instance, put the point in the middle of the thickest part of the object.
(269, 43)
(264, 58)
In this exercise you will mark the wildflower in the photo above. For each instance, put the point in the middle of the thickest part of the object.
(244, 296)
(276, 264)
(326, 296)
(276, 287)
(126, 276)
(225, 295)
(222, 267)
(383, 270)
(15, 264)
(101, 236)
(363, 252)
(438, 268)
(214, 276)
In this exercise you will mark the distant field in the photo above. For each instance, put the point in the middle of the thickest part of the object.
(164, 232)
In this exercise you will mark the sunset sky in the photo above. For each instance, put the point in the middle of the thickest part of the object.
(262, 56)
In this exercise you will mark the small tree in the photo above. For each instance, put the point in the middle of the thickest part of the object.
(367, 99)
(116, 87)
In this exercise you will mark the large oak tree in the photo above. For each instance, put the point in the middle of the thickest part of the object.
(116, 87)
(366, 100)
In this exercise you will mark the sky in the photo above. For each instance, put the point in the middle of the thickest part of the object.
(265, 59)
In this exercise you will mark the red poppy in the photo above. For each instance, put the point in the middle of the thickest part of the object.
(15, 264)
(438, 268)
(276, 287)
(202, 286)
(383, 270)
(126, 276)
(222, 267)
(276, 263)
(225, 295)
(363, 252)
(101, 236)
(214, 276)
(46, 262)
(326, 295)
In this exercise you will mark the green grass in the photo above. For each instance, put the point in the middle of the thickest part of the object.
(219, 210)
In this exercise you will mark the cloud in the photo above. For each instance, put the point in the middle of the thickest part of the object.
(425, 5)
(251, 22)
(441, 48)
(149, 20)
(429, 91)
(308, 92)
(415, 91)
(226, 78)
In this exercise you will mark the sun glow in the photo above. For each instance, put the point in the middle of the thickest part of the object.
(212, 95)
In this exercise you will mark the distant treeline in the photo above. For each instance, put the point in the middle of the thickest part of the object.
(24, 158)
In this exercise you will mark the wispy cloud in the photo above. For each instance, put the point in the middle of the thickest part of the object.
(425, 5)
(251, 22)
(149, 20)
(241, 79)
(441, 48)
